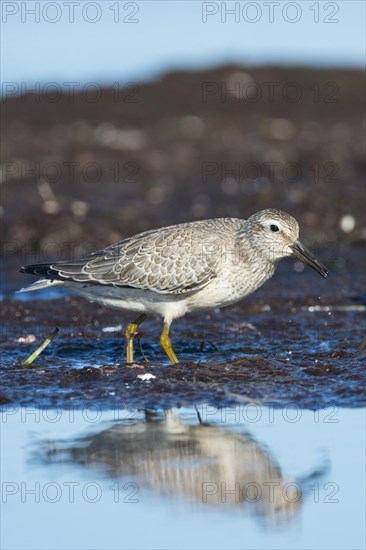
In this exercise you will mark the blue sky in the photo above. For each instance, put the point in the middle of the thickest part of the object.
(108, 40)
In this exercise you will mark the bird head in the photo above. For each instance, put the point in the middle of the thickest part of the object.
(276, 235)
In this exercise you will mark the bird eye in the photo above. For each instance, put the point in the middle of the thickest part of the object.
(274, 228)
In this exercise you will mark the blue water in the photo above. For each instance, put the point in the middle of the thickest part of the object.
(117, 479)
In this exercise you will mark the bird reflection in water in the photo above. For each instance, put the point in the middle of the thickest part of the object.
(202, 463)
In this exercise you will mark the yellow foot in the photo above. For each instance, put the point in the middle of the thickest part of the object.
(131, 332)
(167, 345)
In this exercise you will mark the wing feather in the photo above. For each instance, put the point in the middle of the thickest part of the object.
(173, 260)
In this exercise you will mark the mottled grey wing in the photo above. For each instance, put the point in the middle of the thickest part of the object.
(172, 260)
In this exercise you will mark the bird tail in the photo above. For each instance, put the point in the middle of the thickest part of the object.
(42, 283)
(43, 270)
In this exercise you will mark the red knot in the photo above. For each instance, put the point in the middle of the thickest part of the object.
(181, 268)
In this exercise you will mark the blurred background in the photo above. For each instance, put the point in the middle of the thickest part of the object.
(119, 117)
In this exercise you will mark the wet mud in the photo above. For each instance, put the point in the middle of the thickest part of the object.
(297, 342)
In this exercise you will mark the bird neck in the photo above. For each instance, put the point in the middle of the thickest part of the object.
(252, 249)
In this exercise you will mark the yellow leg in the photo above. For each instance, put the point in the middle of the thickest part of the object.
(131, 332)
(167, 345)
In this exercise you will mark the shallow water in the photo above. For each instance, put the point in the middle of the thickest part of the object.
(255, 440)
(94, 478)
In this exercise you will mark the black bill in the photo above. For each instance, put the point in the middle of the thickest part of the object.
(306, 256)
